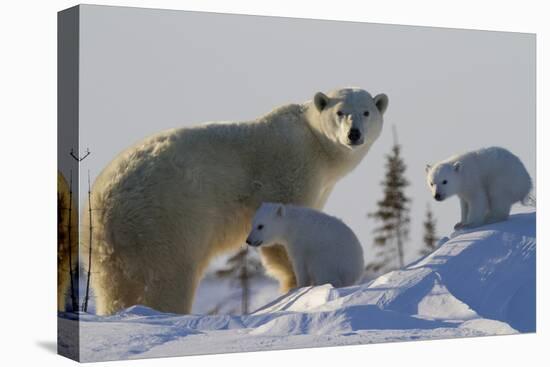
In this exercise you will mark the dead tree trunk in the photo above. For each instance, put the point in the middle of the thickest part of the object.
(87, 296)
(245, 285)
(74, 299)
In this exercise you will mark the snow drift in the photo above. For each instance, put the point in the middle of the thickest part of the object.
(478, 282)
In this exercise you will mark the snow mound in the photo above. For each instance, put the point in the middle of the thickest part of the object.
(345, 320)
(486, 272)
(477, 282)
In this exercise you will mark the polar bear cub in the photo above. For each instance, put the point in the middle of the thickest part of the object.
(487, 181)
(322, 248)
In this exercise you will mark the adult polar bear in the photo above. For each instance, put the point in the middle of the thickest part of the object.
(167, 205)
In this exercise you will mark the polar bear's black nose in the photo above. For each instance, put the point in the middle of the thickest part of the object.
(354, 134)
(248, 242)
(437, 197)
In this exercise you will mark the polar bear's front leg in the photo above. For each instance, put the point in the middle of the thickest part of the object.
(302, 275)
(463, 214)
(477, 210)
(277, 263)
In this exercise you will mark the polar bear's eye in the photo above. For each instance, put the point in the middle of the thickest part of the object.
(340, 113)
(366, 113)
(260, 227)
(444, 182)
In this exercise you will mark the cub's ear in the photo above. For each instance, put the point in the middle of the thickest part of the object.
(428, 168)
(381, 102)
(281, 210)
(457, 166)
(320, 100)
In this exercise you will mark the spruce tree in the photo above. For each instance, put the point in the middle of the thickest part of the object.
(392, 214)
(242, 267)
(430, 238)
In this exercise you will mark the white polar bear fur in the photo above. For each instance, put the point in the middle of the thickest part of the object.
(67, 243)
(487, 181)
(164, 207)
(322, 248)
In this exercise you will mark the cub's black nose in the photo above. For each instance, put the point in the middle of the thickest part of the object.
(437, 197)
(354, 134)
(248, 242)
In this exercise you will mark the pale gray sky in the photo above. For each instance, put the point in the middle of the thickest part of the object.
(450, 91)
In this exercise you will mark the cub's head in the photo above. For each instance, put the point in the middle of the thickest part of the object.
(267, 225)
(350, 116)
(443, 179)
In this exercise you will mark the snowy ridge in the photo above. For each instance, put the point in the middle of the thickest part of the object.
(478, 282)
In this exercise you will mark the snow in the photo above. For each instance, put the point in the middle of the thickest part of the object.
(477, 282)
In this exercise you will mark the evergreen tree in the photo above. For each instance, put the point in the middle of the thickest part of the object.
(242, 267)
(430, 238)
(393, 215)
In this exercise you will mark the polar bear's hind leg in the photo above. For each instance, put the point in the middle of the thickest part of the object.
(499, 209)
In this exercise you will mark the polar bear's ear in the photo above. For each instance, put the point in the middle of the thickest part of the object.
(320, 100)
(457, 166)
(428, 168)
(280, 211)
(381, 102)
